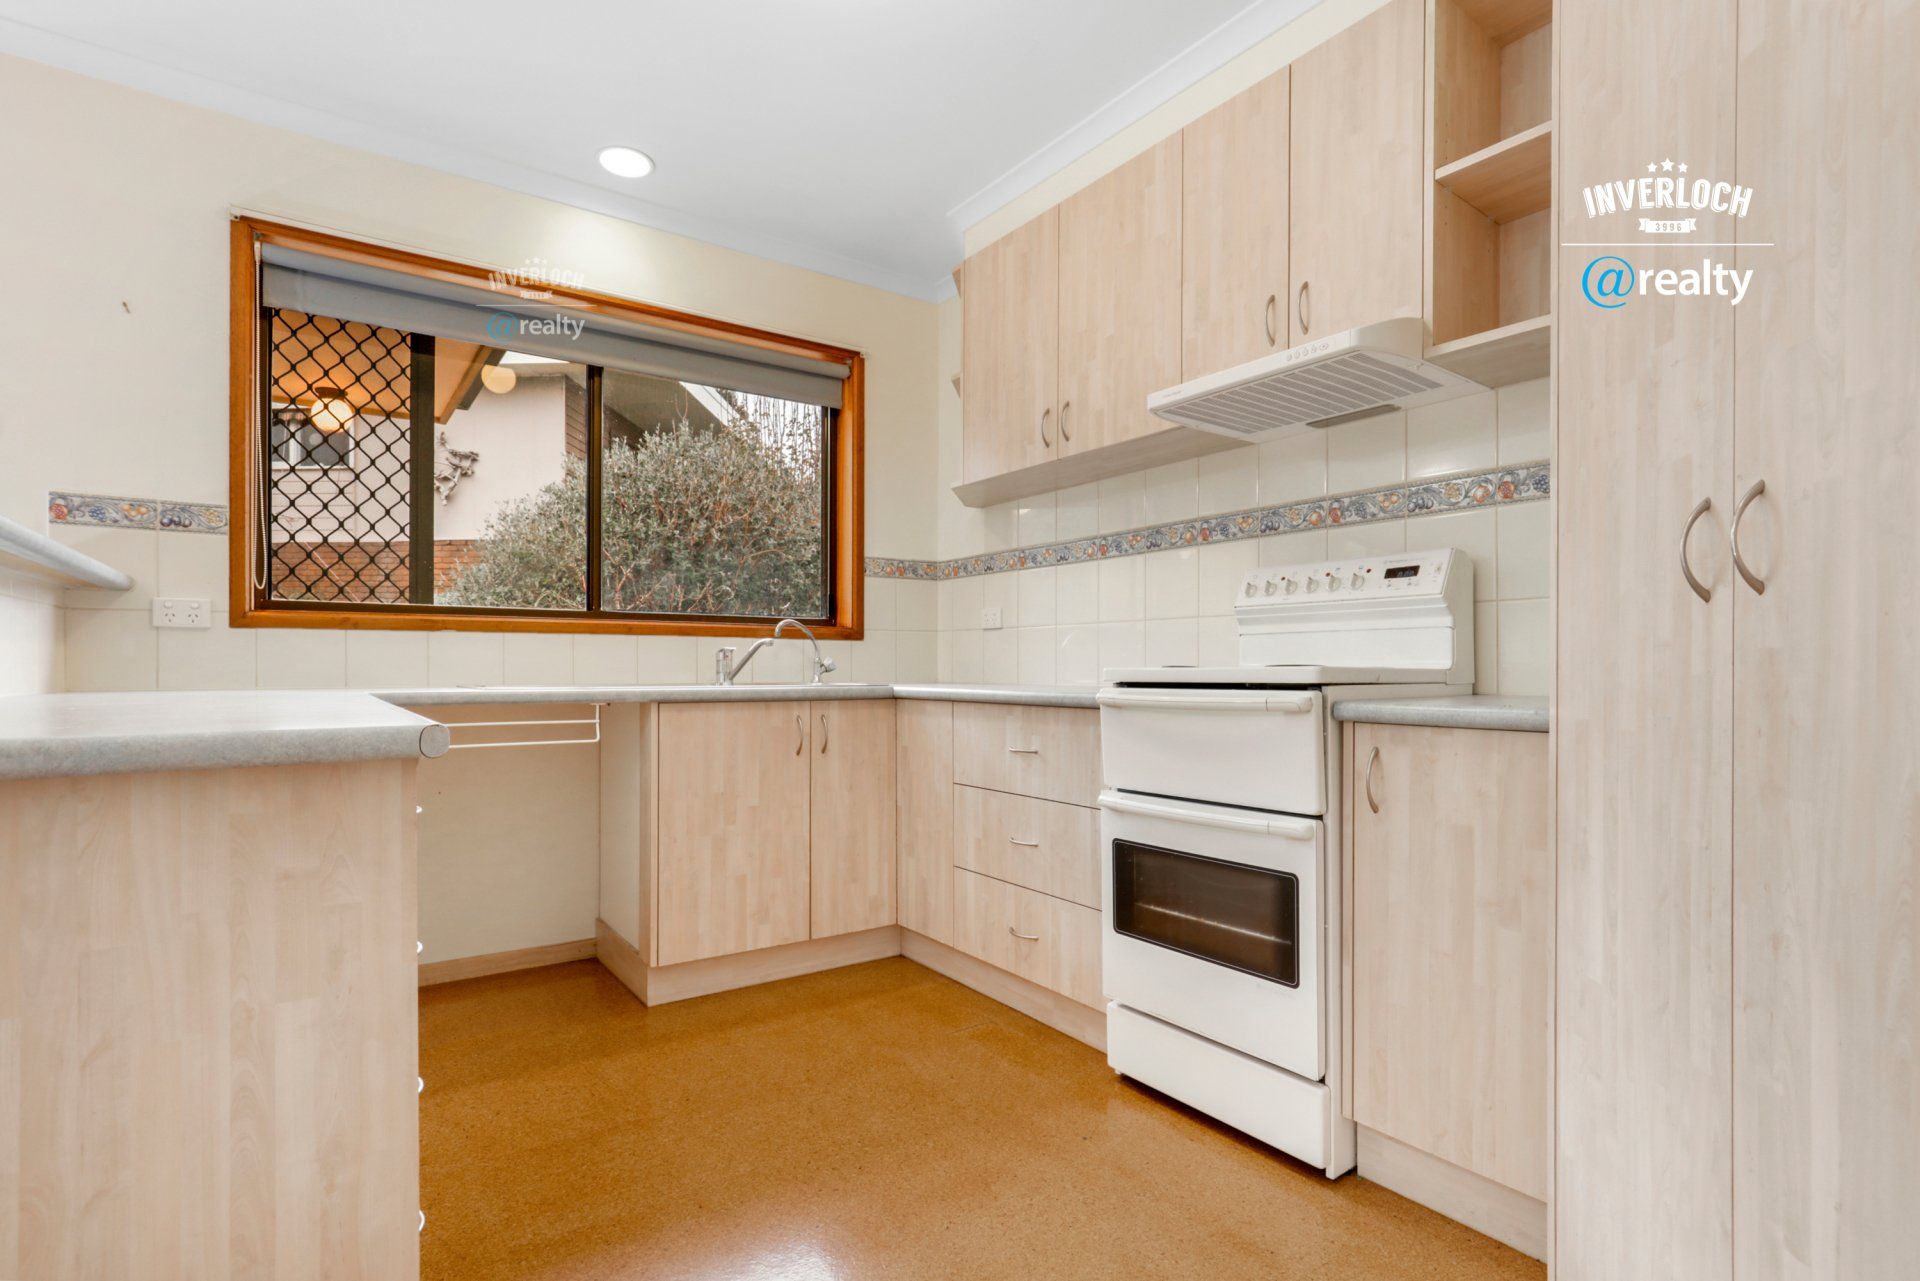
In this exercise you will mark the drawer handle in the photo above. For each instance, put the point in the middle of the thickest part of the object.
(1032, 845)
(1030, 938)
(1293, 829)
(1024, 751)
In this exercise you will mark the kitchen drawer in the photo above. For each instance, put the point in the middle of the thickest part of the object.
(1048, 846)
(1049, 752)
(1042, 939)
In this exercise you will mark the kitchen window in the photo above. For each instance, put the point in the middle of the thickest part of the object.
(422, 444)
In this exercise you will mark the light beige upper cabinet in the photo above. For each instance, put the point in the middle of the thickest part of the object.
(1358, 148)
(925, 818)
(853, 815)
(732, 847)
(1452, 952)
(1233, 221)
(1119, 300)
(1010, 322)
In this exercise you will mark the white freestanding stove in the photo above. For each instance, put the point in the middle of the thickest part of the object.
(1220, 838)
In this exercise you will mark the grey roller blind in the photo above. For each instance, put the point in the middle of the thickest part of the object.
(314, 283)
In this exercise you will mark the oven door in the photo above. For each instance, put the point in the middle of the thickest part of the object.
(1211, 922)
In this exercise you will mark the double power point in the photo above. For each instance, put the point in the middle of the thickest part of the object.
(181, 611)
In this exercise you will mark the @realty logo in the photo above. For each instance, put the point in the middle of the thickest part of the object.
(503, 328)
(1609, 280)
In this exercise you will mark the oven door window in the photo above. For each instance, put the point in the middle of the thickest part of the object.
(1247, 918)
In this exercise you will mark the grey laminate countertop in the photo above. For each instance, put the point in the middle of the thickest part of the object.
(473, 695)
(49, 735)
(1461, 711)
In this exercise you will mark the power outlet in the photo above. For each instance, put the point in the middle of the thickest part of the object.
(181, 611)
(990, 619)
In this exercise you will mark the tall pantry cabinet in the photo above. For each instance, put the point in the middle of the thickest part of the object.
(1738, 765)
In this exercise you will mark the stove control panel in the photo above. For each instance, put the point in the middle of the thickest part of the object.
(1412, 610)
(1410, 574)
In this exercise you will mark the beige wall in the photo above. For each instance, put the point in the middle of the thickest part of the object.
(116, 355)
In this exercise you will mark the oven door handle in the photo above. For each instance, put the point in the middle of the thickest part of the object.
(1296, 829)
(1205, 702)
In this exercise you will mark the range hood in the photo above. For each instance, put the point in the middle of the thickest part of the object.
(1370, 370)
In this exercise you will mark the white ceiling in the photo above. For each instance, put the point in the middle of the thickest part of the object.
(855, 137)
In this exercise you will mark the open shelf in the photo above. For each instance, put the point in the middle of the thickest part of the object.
(1508, 180)
(1512, 353)
(1507, 20)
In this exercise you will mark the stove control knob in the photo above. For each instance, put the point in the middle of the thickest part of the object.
(1249, 587)
(1333, 582)
(1270, 588)
(1358, 582)
(1313, 584)
(1292, 587)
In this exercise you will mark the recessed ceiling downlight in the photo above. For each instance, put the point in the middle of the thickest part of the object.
(625, 162)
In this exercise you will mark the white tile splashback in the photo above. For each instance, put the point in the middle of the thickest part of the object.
(1176, 606)
(105, 641)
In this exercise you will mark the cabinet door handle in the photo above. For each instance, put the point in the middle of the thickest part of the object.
(1301, 309)
(1271, 315)
(799, 735)
(1032, 845)
(1044, 438)
(1754, 581)
(1024, 751)
(823, 733)
(1686, 568)
(1066, 422)
(1372, 760)
(1031, 938)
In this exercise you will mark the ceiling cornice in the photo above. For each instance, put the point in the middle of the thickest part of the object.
(1209, 53)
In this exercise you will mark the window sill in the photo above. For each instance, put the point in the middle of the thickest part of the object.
(364, 620)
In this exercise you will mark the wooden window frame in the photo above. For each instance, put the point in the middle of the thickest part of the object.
(250, 607)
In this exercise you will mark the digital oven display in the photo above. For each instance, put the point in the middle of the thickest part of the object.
(1403, 571)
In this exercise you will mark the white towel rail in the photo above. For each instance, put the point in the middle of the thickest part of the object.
(453, 727)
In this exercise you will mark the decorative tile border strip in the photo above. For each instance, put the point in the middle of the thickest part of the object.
(136, 513)
(1429, 496)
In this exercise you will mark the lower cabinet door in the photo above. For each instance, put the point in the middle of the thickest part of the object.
(1452, 942)
(731, 860)
(853, 815)
(1043, 939)
(924, 818)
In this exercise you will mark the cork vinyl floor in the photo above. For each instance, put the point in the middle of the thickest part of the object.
(878, 1121)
